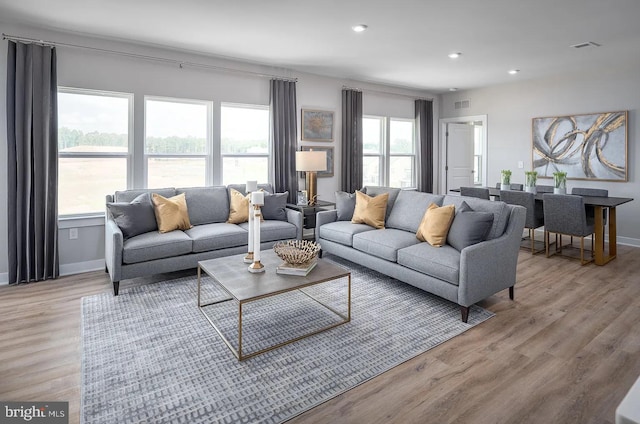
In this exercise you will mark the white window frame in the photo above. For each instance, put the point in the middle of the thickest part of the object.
(385, 153)
(401, 155)
(223, 155)
(93, 155)
(208, 153)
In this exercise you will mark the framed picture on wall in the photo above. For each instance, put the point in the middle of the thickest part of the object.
(587, 146)
(329, 150)
(317, 125)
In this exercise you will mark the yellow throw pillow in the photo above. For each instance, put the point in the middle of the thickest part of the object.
(435, 224)
(238, 207)
(370, 210)
(172, 213)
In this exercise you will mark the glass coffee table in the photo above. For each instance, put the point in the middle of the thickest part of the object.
(242, 288)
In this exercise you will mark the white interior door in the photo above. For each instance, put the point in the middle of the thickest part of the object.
(460, 150)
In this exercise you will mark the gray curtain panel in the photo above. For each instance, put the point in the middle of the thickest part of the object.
(284, 136)
(351, 140)
(32, 165)
(424, 133)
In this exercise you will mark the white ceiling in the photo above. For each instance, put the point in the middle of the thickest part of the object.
(406, 45)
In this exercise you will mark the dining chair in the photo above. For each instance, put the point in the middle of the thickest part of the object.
(479, 192)
(565, 214)
(514, 186)
(544, 189)
(593, 192)
(535, 212)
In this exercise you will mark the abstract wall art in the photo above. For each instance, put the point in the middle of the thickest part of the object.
(586, 147)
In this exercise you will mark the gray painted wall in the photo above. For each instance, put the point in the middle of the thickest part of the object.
(95, 70)
(511, 107)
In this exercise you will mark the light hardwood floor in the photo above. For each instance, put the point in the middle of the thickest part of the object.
(565, 351)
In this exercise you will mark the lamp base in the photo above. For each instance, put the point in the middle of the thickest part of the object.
(256, 267)
(311, 182)
(249, 258)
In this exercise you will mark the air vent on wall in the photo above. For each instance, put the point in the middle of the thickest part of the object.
(462, 104)
(586, 44)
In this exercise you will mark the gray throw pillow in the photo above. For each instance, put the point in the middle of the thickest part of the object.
(275, 206)
(136, 217)
(345, 205)
(469, 227)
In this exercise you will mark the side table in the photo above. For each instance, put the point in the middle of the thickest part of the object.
(309, 214)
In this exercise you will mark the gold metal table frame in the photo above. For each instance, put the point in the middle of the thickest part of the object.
(288, 284)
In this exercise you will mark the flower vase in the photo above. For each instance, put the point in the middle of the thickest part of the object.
(560, 190)
(505, 186)
(530, 189)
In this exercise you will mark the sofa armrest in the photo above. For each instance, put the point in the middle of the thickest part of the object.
(489, 267)
(295, 217)
(113, 246)
(325, 217)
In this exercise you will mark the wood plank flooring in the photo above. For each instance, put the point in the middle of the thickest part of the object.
(565, 351)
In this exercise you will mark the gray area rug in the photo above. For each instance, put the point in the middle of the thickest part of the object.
(149, 355)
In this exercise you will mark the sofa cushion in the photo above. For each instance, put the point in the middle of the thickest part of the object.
(438, 262)
(273, 230)
(435, 224)
(374, 191)
(345, 205)
(216, 236)
(342, 231)
(238, 207)
(129, 195)
(172, 213)
(499, 210)
(134, 218)
(409, 208)
(275, 206)
(206, 204)
(370, 210)
(384, 243)
(469, 227)
(155, 245)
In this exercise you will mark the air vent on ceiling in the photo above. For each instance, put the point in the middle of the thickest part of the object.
(462, 104)
(586, 44)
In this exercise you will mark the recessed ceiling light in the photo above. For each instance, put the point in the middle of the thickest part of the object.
(360, 28)
(455, 55)
(514, 71)
(453, 89)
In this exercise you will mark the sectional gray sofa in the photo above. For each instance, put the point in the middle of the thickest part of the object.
(211, 236)
(464, 277)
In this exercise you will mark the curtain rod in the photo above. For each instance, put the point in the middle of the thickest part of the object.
(367, 90)
(180, 63)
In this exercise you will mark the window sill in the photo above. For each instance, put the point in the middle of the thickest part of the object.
(96, 220)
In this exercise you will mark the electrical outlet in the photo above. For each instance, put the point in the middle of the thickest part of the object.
(520, 164)
(73, 233)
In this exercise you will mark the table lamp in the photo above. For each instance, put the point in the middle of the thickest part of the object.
(311, 162)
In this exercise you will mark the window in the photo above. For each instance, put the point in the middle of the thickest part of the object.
(94, 139)
(177, 142)
(244, 134)
(389, 156)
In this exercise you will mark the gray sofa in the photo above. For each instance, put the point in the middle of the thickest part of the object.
(464, 277)
(211, 236)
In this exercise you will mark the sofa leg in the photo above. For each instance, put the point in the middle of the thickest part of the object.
(465, 313)
(511, 294)
(116, 287)
(106, 270)
(320, 253)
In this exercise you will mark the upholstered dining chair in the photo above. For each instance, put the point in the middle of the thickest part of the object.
(535, 212)
(514, 186)
(544, 189)
(479, 192)
(593, 192)
(565, 214)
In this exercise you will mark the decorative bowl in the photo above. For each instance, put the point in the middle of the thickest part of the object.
(296, 252)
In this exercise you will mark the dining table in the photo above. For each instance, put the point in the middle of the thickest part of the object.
(601, 255)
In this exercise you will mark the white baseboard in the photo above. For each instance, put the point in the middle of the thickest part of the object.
(80, 267)
(626, 241)
(4, 278)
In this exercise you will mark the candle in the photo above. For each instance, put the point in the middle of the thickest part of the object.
(257, 198)
(251, 186)
(256, 237)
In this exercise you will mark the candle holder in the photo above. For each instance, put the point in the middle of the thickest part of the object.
(250, 187)
(256, 266)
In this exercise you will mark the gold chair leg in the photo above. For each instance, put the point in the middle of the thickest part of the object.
(546, 242)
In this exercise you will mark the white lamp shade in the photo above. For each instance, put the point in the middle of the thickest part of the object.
(311, 161)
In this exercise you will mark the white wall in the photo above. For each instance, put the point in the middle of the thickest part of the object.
(511, 107)
(95, 70)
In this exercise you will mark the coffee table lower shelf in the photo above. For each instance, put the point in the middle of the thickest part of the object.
(297, 286)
